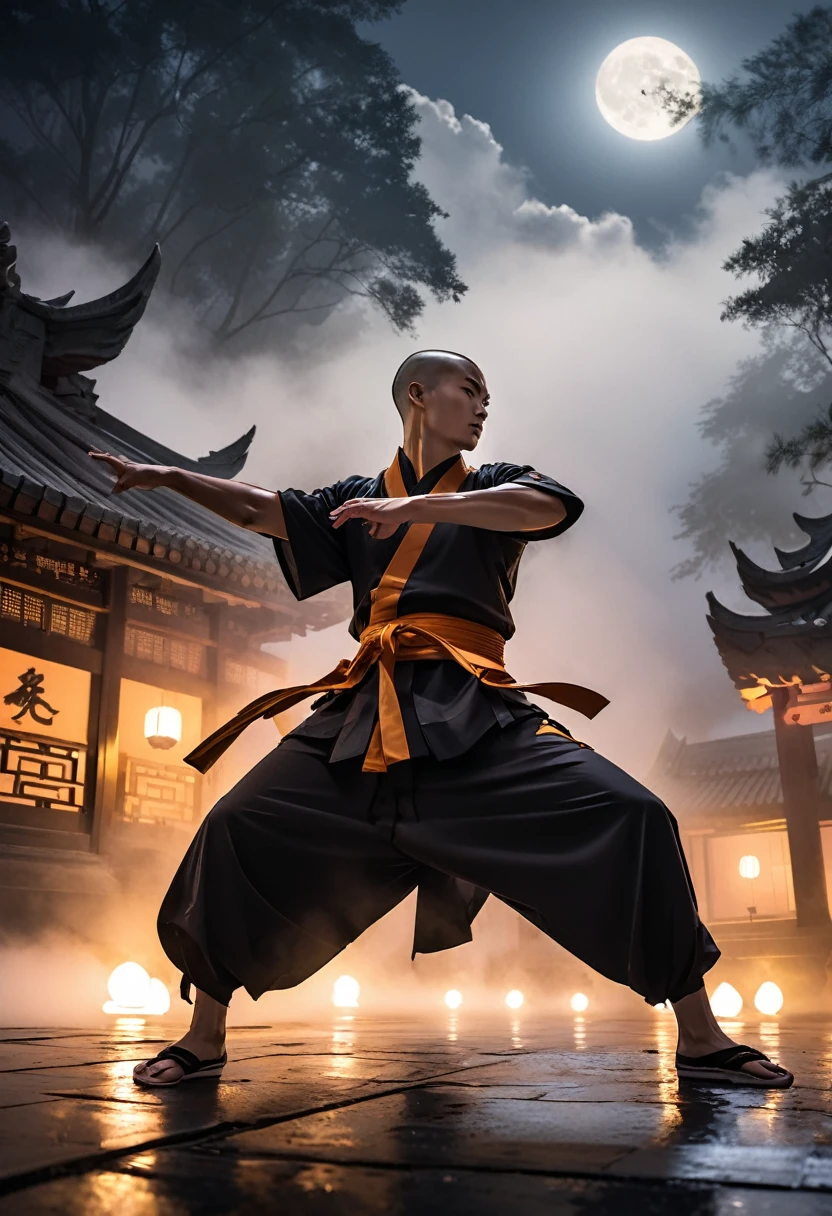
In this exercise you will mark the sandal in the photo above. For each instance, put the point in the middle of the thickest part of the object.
(187, 1061)
(726, 1066)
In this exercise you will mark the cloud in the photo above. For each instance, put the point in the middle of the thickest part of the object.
(599, 355)
(464, 168)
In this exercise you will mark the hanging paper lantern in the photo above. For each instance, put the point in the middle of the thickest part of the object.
(163, 726)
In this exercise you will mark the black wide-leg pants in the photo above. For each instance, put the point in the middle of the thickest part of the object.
(302, 856)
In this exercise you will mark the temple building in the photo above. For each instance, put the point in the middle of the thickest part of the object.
(755, 810)
(129, 626)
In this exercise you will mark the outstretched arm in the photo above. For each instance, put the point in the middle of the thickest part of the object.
(247, 506)
(506, 508)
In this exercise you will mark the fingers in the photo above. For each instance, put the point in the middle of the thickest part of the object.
(106, 457)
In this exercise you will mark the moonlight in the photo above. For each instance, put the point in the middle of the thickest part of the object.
(633, 80)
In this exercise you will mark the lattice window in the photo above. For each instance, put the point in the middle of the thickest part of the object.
(59, 619)
(38, 771)
(78, 624)
(140, 595)
(81, 625)
(11, 604)
(33, 611)
(166, 606)
(158, 793)
(241, 673)
(170, 652)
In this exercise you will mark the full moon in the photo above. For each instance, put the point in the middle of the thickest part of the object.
(632, 80)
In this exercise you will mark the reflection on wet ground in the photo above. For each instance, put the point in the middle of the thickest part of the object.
(448, 1114)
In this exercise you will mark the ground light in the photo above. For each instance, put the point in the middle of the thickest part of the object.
(132, 991)
(453, 999)
(345, 992)
(726, 1002)
(579, 1002)
(515, 998)
(769, 998)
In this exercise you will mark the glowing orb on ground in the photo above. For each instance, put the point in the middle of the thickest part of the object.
(726, 1002)
(345, 992)
(769, 998)
(453, 999)
(515, 998)
(632, 84)
(749, 866)
(579, 1002)
(158, 1000)
(129, 985)
(132, 991)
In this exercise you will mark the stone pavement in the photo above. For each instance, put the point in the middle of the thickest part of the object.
(444, 1114)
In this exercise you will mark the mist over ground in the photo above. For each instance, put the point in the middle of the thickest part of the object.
(599, 356)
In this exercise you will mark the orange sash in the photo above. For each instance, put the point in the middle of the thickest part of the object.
(388, 637)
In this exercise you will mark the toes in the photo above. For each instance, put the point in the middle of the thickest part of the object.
(162, 1070)
(767, 1070)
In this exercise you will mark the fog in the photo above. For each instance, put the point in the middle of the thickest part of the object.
(599, 356)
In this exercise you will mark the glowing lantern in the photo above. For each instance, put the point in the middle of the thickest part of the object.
(345, 992)
(579, 1002)
(163, 726)
(129, 986)
(726, 1002)
(750, 866)
(453, 999)
(515, 998)
(769, 998)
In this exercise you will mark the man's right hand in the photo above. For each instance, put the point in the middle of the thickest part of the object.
(246, 506)
(130, 476)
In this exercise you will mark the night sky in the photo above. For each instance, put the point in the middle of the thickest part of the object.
(528, 68)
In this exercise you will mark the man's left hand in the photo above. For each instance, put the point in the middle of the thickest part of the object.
(382, 516)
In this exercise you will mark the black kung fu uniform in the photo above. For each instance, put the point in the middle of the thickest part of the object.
(307, 851)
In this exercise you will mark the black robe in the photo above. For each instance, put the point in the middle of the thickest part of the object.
(464, 572)
(308, 850)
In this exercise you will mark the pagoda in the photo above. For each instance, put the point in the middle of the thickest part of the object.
(130, 626)
(781, 659)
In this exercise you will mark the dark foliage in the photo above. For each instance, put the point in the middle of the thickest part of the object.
(782, 100)
(264, 144)
(737, 501)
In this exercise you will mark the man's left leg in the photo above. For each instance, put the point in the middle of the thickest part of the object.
(586, 853)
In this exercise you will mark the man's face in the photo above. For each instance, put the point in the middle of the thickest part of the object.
(457, 406)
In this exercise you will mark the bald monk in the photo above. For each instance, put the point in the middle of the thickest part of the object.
(423, 764)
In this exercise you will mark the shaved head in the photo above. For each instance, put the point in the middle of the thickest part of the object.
(427, 367)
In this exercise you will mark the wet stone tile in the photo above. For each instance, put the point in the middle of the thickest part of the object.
(362, 1115)
(439, 1126)
(180, 1183)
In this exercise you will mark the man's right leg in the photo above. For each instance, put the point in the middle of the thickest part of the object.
(284, 872)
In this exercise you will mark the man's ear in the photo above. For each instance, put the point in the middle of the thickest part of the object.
(416, 394)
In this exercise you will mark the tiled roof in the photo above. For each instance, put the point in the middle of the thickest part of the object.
(733, 777)
(49, 419)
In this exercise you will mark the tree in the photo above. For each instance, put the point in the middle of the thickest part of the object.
(737, 500)
(265, 144)
(782, 101)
